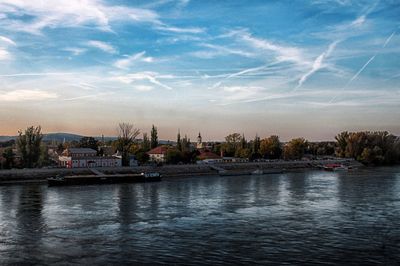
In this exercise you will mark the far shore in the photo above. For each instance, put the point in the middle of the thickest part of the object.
(29, 176)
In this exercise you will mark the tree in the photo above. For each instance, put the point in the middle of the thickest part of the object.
(126, 138)
(146, 142)
(60, 148)
(89, 142)
(374, 148)
(271, 148)
(185, 144)
(174, 156)
(243, 153)
(8, 155)
(44, 158)
(255, 148)
(342, 143)
(243, 142)
(178, 141)
(153, 137)
(29, 144)
(142, 156)
(295, 148)
(232, 143)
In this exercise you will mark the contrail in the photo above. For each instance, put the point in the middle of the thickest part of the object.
(361, 70)
(388, 39)
(354, 77)
(363, 67)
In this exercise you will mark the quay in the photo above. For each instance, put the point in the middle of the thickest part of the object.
(28, 176)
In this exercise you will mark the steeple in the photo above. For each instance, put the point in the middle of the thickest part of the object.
(199, 142)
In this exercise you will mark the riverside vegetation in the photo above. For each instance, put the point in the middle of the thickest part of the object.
(367, 147)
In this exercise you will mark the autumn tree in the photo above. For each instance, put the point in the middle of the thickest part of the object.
(371, 148)
(8, 155)
(295, 148)
(232, 143)
(29, 144)
(255, 147)
(271, 147)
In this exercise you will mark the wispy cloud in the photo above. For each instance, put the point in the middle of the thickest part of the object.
(26, 95)
(219, 50)
(4, 54)
(318, 63)
(143, 88)
(241, 93)
(362, 68)
(152, 77)
(7, 41)
(126, 62)
(165, 27)
(38, 74)
(106, 47)
(89, 96)
(282, 53)
(77, 13)
(71, 13)
(74, 50)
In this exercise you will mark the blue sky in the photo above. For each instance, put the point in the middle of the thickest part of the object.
(292, 68)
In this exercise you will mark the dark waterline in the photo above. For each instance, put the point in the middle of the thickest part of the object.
(295, 218)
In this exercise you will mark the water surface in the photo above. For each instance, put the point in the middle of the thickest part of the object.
(307, 217)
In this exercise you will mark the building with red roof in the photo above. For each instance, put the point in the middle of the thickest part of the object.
(158, 154)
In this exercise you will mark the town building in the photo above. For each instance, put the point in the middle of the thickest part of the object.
(158, 154)
(85, 157)
(208, 157)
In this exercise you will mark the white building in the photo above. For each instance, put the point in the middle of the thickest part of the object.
(158, 154)
(85, 157)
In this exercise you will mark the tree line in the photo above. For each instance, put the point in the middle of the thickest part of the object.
(370, 148)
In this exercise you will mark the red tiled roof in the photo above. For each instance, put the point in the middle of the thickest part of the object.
(158, 150)
(208, 155)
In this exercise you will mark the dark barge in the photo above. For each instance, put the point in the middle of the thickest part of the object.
(103, 179)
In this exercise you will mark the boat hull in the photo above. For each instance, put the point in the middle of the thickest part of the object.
(102, 179)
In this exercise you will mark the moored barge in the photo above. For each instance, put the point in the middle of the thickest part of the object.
(103, 179)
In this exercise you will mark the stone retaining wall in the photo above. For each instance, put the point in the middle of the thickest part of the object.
(31, 175)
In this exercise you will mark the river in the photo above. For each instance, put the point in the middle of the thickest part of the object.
(306, 217)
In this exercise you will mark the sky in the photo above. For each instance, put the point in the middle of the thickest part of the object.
(292, 68)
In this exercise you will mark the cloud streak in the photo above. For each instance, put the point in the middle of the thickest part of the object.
(125, 63)
(318, 63)
(151, 77)
(7, 41)
(106, 47)
(26, 95)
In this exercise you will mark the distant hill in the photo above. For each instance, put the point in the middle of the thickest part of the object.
(57, 137)
(6, 138)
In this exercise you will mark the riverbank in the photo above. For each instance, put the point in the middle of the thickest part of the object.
(28, 176)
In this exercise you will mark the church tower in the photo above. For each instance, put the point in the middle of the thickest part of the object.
(199, 142)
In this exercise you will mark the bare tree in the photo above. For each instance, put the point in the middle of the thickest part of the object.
(127, 134)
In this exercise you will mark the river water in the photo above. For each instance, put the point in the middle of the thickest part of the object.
(294, 218)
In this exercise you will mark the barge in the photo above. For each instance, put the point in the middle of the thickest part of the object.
(103, 179)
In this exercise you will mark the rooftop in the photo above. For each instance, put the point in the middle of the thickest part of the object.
(158, 150)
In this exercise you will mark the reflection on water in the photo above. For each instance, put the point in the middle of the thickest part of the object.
(305, 217)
